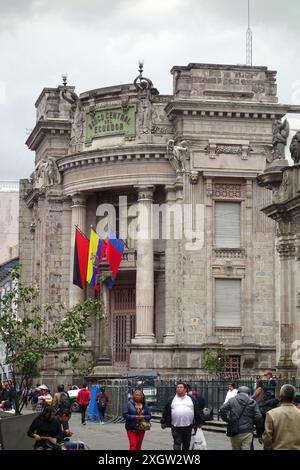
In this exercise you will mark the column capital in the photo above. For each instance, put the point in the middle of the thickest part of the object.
(79, 199)
(145, 192)
(286, 247)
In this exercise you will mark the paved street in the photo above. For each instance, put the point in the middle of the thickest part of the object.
(113, 436)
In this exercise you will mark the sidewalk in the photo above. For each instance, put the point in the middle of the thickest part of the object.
(111, 436)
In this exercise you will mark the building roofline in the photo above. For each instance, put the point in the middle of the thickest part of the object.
(199, 65)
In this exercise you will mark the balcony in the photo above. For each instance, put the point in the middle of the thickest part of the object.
(130, 256)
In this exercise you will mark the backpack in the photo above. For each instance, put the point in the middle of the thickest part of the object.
(102, 402)
(207, 414)
(64, 401)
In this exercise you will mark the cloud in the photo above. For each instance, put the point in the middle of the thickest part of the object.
(98, 43)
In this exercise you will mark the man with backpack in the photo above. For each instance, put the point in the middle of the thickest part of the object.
(102, 400)
(242, 413)
(61, 400)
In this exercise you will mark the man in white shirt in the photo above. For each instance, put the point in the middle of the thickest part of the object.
(232, 391)
(181, 413)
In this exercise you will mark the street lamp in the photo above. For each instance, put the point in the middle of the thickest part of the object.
(103, 278)
(105, 275)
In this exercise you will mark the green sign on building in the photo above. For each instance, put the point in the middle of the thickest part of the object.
(110, 121)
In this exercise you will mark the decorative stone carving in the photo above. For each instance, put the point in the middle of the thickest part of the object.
(39, 174)
(209, 188)
(145, 89)
(177, 155)
(77, 115)
(194, 177)
(280, 134)
(46, 173)
(286, 248)
(145, 115)
(295, 147)
(52, 173)
(228, 149)
(230, 191)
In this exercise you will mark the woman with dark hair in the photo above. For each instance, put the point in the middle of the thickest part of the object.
(137, 419)
(45, 430)
(259, 392)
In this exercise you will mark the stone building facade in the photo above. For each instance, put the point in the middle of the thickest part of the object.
(9, 224)
(6, 285)
(284, 182)
(202, 146)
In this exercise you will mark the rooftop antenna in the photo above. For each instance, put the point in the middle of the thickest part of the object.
(249, 40)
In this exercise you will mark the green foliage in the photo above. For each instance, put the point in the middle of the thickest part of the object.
(29, 337)
(215, 360)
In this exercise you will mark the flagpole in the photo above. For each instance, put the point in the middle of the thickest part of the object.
(76, 226)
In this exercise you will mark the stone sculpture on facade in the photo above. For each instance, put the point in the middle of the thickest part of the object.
(295, 147)
(46, 173)
(53, 175)
(280, 134)
(177, 155)
(77, 115)
(145, 89)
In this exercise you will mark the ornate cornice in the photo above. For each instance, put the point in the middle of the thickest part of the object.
(49, 126)
(221, 109)
(287, 211)
(115, 155)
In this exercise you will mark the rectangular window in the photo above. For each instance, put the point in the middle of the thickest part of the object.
(228, 303)
(228, 225)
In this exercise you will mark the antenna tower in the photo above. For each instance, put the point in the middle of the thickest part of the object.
(249, 40)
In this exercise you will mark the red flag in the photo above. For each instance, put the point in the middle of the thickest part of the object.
(81, 255)
(114, 252)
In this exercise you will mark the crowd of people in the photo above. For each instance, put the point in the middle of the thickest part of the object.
(275, 421)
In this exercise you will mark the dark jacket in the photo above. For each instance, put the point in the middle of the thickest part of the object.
(130, 414)
(43, 427)
(251, 415)
(266, 405)
(167, 413)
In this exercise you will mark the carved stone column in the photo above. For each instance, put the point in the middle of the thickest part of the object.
(286, 249)
(170, 272)
(144, 270)
(78, 218)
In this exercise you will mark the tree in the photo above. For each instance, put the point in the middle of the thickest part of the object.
(215, 360)
(29, 336)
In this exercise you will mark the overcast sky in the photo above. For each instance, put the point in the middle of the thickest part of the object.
(98, 43)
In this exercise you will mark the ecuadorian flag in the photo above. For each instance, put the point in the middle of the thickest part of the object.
(95, 255)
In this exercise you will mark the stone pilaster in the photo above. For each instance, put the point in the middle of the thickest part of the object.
(78, 219)
(144, 270)
(286, 249)
(170, 271)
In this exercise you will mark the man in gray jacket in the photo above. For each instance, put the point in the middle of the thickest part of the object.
(242, 413)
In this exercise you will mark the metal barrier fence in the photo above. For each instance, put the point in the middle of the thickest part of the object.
(159, 390)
